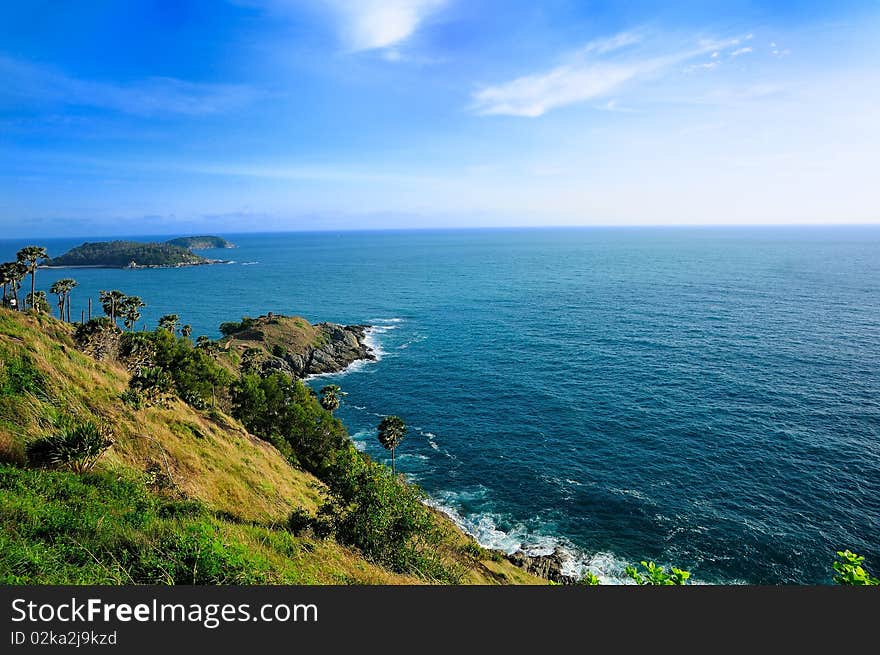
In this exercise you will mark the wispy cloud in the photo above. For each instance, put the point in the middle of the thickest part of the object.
(26, 82)
(741, 51)
(379, 24)
(586, 76)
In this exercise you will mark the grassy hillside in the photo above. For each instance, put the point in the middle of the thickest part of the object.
(292, 334)
(183, 495)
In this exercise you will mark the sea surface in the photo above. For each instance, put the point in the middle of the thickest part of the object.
(708, 398)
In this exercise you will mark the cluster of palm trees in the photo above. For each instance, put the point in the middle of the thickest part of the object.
(12, 274)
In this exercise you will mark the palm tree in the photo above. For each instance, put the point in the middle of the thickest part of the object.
(129, 310)
(62, 289)
(31, 256)
(169, 322)
(17, 272)
(186, 331)
(392, 430)
(6, 280)
(111, 301)
(330, 397)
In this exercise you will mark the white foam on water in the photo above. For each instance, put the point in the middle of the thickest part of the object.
(248, 263)
(484, 528)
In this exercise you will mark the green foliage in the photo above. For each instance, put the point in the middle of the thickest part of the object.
(656, 575)
(19, 375)
(200, 243)
(278, 350)
(37, 301)
(279, 407)
(589, 579)
(101, 528)
(169, 322)
(132, 398)
(849, 570)
(230, 328)
(190, 372)
(152, 384)
(74, 445)
(330, 397)
(123, 253)
(384, 517)
(130, 310)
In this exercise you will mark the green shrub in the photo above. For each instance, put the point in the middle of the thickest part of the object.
(278, 408)
(384, 517)
(76, 446)
(656, 575)
(849, 570)
(153, 385)
(132, 398)
(588, 579)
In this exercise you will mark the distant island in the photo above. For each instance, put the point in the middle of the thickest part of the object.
(133, 254)
(201, 243)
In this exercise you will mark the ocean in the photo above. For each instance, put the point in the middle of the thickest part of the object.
(702, 397)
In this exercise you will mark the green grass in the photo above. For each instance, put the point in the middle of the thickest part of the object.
(108, 528)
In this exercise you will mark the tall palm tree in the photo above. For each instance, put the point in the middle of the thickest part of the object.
(111, 301)
(31, 256)
(62, 289)
(130, 311)
(330, 397)
(392, 430)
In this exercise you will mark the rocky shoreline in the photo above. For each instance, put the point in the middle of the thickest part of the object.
(340, 347)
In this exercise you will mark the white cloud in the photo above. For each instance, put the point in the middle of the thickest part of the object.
(584, 78)
(147, 97)
(740, 51)
(377, 24)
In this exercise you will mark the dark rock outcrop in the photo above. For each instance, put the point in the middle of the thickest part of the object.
(338, 347)
(548, 567)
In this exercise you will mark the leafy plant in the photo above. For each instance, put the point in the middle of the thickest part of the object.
(657, 575)
(589, 579)
(849, 570)
(75, 446)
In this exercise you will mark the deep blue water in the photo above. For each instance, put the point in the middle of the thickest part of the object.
(703, 397)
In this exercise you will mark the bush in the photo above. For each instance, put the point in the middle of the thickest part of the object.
(152, 384)
(277, 407)
(132, 398)
(384, 517)
(656, 575)
(849, 570)
(76, 446)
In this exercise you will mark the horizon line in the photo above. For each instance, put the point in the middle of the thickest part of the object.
(464, 228)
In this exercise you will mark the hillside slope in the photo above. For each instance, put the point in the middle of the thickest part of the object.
(140, 499)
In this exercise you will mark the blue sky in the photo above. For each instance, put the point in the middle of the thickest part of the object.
(165, 117)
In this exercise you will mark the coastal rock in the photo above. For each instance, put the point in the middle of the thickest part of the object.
(292, 345)
(340, 346)
(548, 567)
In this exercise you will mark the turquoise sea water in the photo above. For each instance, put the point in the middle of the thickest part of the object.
(703, 397)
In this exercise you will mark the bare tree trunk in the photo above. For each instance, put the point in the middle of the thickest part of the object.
(34, 286)
(90, 309)
(67, 302)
